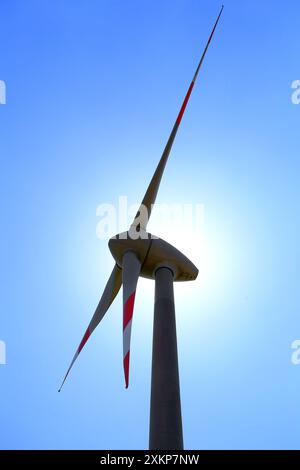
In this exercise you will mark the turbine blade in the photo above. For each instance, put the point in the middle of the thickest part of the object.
(130, 275)
(142, 217)
(111, 290)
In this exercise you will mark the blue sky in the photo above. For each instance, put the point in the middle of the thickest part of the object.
(93, 89)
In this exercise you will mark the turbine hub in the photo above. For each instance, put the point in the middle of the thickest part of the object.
(153, 253)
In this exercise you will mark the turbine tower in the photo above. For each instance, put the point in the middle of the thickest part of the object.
(139, 253)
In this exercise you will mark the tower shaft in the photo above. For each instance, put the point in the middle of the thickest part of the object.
(165, 407)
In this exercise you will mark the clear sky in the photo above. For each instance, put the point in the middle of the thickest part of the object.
(93, 89)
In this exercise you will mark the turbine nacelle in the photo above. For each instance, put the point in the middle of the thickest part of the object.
(152, 252)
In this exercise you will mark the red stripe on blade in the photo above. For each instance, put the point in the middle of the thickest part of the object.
(86, 336)
(184, 104)
(128, 310)
(126, 368)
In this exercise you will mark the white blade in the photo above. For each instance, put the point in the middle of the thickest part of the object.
(131, 271)
(111, 290)
(142, 217)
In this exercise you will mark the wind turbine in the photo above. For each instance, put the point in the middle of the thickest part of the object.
(139, 253)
